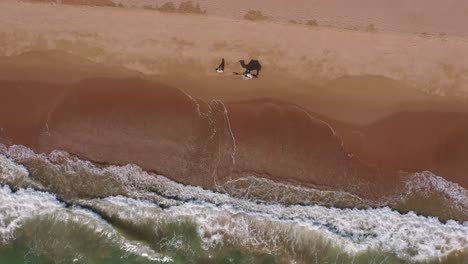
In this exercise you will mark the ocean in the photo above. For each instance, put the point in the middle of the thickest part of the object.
(57, 208)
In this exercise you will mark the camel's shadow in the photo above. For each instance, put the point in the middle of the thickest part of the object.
(253, 65)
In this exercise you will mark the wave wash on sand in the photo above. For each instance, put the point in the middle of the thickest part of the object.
(157, 219)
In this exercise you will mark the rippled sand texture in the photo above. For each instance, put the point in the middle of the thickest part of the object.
(418, 16)
(160, 43)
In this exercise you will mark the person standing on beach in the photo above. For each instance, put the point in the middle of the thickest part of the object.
(221, 66)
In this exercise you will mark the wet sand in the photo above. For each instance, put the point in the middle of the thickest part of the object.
(162, 129)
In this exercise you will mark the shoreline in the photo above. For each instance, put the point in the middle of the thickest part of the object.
(93, 93)
(116, 130)
(157, 199)
(251, 116)
(66, 111)
(91, 116)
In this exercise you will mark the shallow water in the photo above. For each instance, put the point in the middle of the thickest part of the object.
(59, 209)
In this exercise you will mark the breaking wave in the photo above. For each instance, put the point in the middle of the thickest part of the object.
(147, 216)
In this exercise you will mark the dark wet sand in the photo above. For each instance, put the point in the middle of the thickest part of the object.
(160, 129)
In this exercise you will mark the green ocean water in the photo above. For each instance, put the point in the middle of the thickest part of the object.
(51, 242)
(47, 242)
(59, 209)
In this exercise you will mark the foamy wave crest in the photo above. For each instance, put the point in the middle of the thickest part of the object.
(14, 174)
(56, 159)
(105, 233)
(267, 227)
(17, 207)
(272, 228)
(10, 170)
(135, 181)
(426, 183)
(26, 206)
(254, 188)
(429, 194)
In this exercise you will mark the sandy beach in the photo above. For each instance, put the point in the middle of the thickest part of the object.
(154, 122)
(375, 104)
(120, 143)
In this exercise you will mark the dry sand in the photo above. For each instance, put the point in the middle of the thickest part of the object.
(416, 16)
(380, 92)
(156, 43)
(297, 60)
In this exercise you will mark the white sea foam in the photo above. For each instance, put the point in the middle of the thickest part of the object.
(426, 183)
(10, 171)
(17, 207)
(270, 227)
(267, 190)
(221, 218)
(131, 176)
(104, 232)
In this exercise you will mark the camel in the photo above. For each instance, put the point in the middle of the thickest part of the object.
(252, 65)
